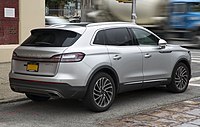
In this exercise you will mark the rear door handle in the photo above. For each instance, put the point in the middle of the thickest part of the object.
(147, 55)
(117, 57)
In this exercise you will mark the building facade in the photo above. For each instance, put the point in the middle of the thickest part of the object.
(17, 18)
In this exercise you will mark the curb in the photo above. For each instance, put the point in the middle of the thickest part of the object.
(11, 100)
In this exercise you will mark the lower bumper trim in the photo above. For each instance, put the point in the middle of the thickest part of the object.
(61, 90)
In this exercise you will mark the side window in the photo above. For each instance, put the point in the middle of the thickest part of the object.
(99, 39)
(145, 38)
(118, 37)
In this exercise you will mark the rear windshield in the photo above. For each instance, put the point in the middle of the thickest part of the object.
(51, 38)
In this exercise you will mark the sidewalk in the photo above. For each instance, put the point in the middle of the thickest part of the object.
(181, 114)
(6, 94)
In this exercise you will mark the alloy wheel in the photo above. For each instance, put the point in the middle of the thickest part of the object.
(181, 78)
(103, 92)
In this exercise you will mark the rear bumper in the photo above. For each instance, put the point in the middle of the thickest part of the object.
(62, 90)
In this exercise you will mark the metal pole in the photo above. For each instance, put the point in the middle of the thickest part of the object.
(134, 17)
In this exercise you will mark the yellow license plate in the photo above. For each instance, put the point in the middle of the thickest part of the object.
(34, 67)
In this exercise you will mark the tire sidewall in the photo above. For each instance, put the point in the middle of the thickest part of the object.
(89, 97)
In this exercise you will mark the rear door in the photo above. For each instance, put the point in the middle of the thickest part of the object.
(41, 52)
(126, 58)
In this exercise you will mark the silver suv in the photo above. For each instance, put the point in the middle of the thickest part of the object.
(96, 61)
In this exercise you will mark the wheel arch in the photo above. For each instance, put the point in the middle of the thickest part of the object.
(184, 61)
(106, 69)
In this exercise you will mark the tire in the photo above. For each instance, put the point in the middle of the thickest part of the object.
(180, 79)
(101, 93)
(37, 98)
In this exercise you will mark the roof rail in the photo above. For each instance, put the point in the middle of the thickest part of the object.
(107, 23)
(83, 24)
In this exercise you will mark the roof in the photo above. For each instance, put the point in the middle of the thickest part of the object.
(88, 24)
(102, 25)
(185, 1)
(81, 27)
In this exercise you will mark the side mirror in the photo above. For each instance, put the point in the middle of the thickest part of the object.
(162, 43)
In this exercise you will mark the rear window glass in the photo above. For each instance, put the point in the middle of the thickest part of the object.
(51, 38)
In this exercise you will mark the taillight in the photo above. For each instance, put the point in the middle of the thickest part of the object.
(55, 58)
(69, 57)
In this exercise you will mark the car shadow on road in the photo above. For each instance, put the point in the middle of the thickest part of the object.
(133, 99)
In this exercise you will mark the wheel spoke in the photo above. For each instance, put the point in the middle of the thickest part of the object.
(183, 72)
(97, 90)
(97, 85)
(177, 82)
(109, 87)
(102, 99)
(97, 94)
(102, 82)
(177, 78)
(99, 100)
(109, 95)
(182, 84)
(107, 98)
(106, 84)
(98, 97)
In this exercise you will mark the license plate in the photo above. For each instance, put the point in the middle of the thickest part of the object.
(33, 67)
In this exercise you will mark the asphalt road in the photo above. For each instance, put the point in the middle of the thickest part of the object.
(195, 62)
(72, 113)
